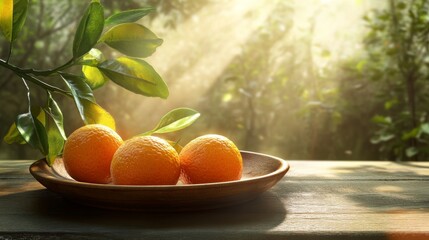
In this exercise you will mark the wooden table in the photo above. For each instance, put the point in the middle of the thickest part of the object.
(315, 200)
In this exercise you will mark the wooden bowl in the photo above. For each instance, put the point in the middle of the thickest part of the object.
(260, 173)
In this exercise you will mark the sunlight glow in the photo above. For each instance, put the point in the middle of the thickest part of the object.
(194, 55)
(198, 50)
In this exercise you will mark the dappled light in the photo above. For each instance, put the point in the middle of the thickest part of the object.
(313, 79)
(196, 53)
(200, 60)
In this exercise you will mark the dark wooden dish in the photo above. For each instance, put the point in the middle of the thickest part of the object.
(260, 173)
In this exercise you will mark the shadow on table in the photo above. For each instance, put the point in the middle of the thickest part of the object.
(369, 171)
(412, 164)
(265, 212)
(391, 189)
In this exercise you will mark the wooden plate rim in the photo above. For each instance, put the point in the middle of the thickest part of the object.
(39, 169)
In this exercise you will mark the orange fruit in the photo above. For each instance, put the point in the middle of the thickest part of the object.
(210, 158)
(145, 160)
(88, 153)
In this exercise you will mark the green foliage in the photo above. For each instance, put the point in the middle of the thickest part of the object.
(13, 135)
(89, 29)
(93, 76)
(128, 16)
(135, 75)
(132, 39)
(55, 139)
(43, 127)
(19, 15)
(89, 110)
(54, 111)
(30, 125)
(272, 98)
(175, 120)
(397, 45)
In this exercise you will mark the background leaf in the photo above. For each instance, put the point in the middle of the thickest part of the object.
(132, 39)
(89, 110)
(19, 15)
(128, 16)
(89, 30)
(6, 18)
(175, 120)
(411, 151)
(13, 136)
(381, 120)
(425, 128)
(135, 75)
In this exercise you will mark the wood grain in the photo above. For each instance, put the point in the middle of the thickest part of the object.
(315, 200)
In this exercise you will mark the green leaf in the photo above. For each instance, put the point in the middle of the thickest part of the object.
(382, 120)
(128, 16)
(425, 128)
(175, 120)
(33, 131)
(55, 138)
(20, 8)
(42, 136)
(383, 137)
(386, 137)
(13, 136)
(411, 134)
(25, 125)
(391, 103)
(95, 114)
(89, 110)
(78, 87)
(38, 111)
(89, 29)
(6, 18)
(135, 75)
(360, 66)
(56, 115)
(411, 151)
(132, 39)
(93, 76)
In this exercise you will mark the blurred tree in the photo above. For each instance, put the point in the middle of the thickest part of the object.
(248, 92)
(282, 102)
(273, 97)
(397, 46)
